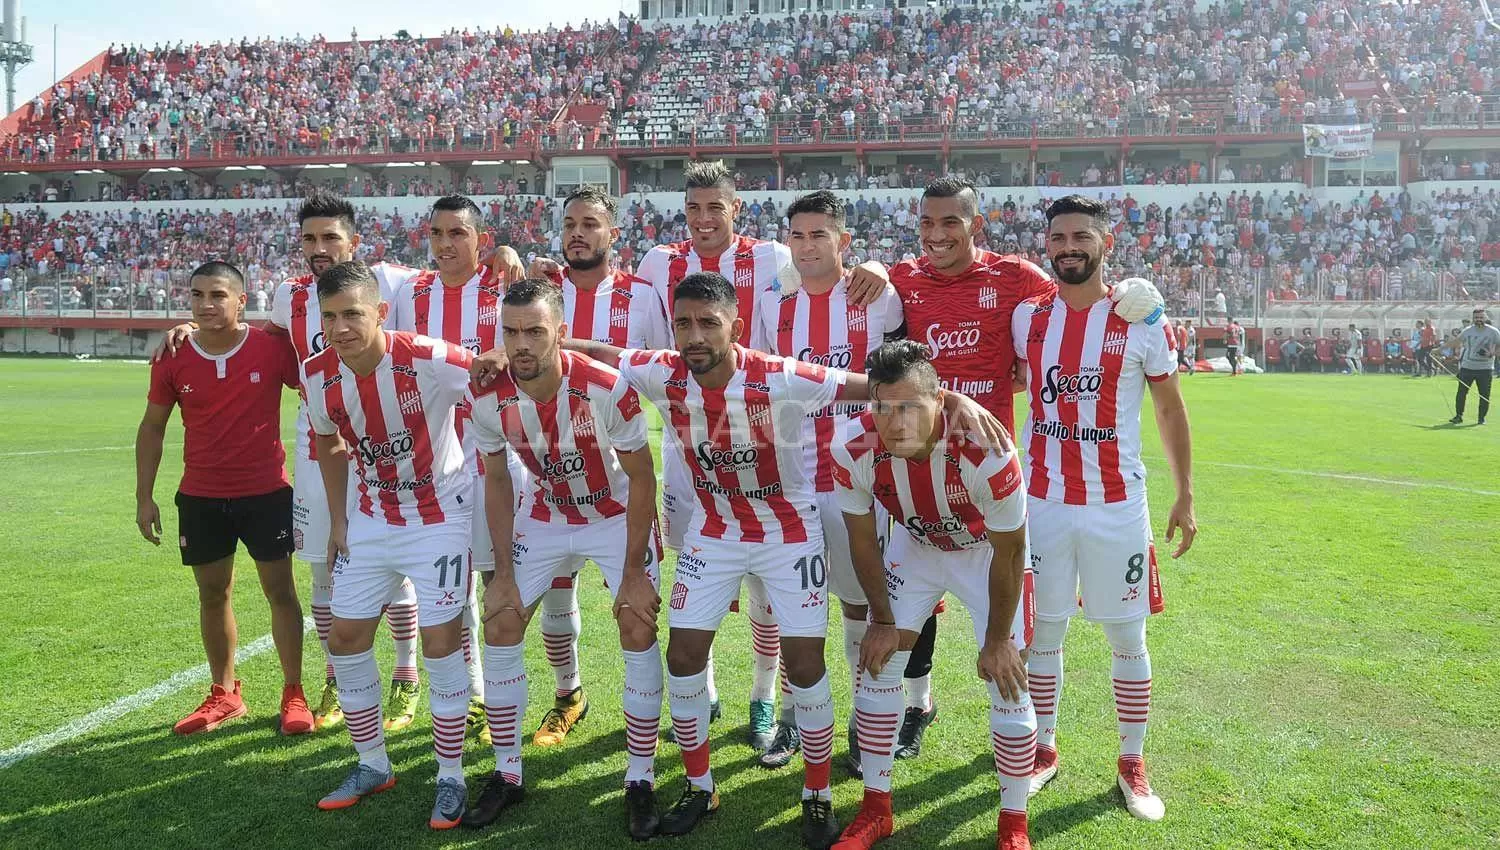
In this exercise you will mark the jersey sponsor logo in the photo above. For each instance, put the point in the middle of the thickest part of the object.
(972, 389)
(949, 525)
(410, 402)
(401, 369)
(584, 501)
(989, 297)
(1114, 343)
(839, 357)
(736, 457)
(558, 467)
(385, 452)
(961, 340)
(1084, 385)
(1074, 433)
(474, 344)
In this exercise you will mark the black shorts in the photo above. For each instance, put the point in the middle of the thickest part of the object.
(208, 529)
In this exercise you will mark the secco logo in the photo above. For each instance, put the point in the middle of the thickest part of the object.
(567, 465)
(949, 525)
(1057, 384)
(956, 341)
(372, 452)
(838, 358)
(735, 457)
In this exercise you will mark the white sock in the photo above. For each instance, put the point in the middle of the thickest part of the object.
(877, 717)
(470, 639)
(711, 685)
(919, 692)
(815, 726)
(1013, 736)
(322, 611)
(1044, 675)
(359, 696)
(401, 614)
(765, 639)
(689, 700)
(1131, 671)
(505, 704)
(854, 634)
(448, 697)
(641, 701)
(560, 628)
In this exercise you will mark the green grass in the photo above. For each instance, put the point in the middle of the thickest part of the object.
(1325, 673)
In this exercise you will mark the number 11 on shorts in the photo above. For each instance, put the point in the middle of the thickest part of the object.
(443, 564)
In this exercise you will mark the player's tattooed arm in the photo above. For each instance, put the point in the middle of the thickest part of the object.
(999, 659)
(148, 442)
(333, 464)
(638, 596)
(1177, 443)
(881, 638)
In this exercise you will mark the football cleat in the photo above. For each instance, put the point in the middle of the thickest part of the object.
(566, 712)
(448, 808)
(873, 823)
(478, 723)
(913, 727)
(328, 714)
(693, 806)
(361, 782)
(222, 705)
(296, 719)
(499, 793)
(1140, 800)
(819, 827)
(762, 724)
(401, 707)
(784, 745)
(1044, 769)
(1012, 832)
(641, 819)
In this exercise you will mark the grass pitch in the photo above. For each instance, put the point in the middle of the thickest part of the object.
(1325, 672)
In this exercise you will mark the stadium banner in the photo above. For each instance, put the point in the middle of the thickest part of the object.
(1338, 141)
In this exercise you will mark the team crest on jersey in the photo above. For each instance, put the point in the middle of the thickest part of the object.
(679, 596)
(1114, 343)
(619, 317)
(254, 377)
(857, 318)
(583, 426)
(744, 277)
(989, 297)
(760, 415)
(410, 402)
(488, 314)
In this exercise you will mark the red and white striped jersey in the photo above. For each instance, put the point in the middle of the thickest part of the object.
(752, 265)
(398, 424)
(741, 442)
(825, 329)
(966, 320)
(568, 443)
(948, 500)
(294, 308)
(1086, 376)
(466, 316)
(623, 310)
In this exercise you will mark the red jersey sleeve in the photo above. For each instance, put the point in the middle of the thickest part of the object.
(162, 391)
(1033, 280)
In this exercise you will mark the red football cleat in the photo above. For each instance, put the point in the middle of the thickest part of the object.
(1045, 768)
(220, 706)
(1012, 832)
(296, 717)
(873, 823)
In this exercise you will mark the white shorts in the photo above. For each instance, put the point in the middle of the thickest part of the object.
(310, 509)
(917, 576)
(1100, 554)
(842, 580)
(676, 498)
(544, 552)
(709, 574)
(434, 557)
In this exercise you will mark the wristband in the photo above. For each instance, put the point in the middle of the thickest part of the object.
(882, 623)
(1154, 316)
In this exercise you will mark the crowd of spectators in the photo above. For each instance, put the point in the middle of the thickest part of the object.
(1211, 255)
(196, 189)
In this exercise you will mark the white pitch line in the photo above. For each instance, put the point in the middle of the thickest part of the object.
(1392, 482)
(125, 705)
(66, 451)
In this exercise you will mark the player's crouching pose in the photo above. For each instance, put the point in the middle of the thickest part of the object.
(578, 428)
(388, 398)
(737, 415)
(963, 515)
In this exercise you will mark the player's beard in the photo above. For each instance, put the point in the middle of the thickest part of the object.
(328, 261)
(703, 368)
(1080, 275)
(590, 262)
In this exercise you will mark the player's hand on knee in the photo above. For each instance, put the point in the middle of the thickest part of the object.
(148, 520)
(1000, 662)
(880, 643)
(1182, 519)
(638, 599)
(502, 598)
